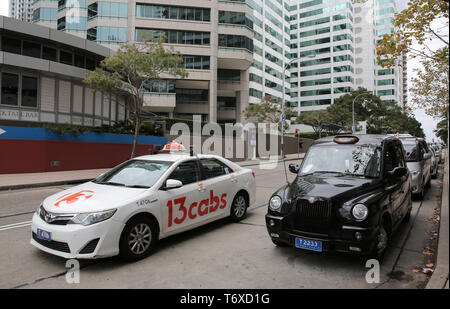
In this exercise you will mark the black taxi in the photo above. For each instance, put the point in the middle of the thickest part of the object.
(350, 194)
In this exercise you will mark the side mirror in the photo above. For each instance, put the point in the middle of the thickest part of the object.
(294, 168)
(398, 172)
(172, 184)
(426, 156)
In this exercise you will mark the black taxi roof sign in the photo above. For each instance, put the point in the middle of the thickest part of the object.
(345, 139)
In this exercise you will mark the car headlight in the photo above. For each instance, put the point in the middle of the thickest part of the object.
(360, 212)
(275, 203)
(92, 217)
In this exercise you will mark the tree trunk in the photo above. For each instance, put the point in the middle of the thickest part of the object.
(137, 124)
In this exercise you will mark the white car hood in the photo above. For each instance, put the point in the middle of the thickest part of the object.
(91, 197)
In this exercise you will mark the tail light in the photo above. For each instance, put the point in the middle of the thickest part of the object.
(253, 174)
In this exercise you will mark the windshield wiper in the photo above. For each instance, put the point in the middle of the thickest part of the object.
(110, 183)
(138, 186)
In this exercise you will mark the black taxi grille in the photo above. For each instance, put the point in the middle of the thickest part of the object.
(313, 217)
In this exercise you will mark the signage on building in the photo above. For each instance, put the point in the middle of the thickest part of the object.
(29, 116)
(9, 114)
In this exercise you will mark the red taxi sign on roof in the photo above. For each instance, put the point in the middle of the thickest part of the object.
(173, 147)
(345, 139)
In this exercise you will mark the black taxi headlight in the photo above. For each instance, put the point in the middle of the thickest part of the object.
(360, 212)
(275, 203)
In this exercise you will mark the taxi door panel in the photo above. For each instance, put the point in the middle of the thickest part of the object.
(219, 184)
(179, 206)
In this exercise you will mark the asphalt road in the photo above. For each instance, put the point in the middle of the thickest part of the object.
(219, 255)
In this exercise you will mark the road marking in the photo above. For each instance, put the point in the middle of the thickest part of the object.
(14, 225)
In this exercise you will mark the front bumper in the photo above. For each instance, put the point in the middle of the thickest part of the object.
(78, 241)
(343, 240)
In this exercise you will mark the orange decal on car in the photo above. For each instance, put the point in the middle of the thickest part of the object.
(72, 198)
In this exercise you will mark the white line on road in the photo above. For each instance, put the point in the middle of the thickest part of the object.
(14, 225)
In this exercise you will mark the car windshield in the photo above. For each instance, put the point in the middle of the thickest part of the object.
(358, 160)
(411, 152)
(135, 174)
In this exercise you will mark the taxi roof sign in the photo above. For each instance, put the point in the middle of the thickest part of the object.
(173, 147)
(345, 139)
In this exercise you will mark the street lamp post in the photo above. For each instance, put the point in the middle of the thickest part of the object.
(353, 112)
(287, 65)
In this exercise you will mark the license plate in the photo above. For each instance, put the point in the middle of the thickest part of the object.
(313, 245)
(44, 235)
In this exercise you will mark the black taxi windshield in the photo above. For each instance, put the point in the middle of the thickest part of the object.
(135, 174)
(357, 160)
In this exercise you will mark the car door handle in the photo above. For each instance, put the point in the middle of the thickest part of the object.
(201, 189)
(233, 180)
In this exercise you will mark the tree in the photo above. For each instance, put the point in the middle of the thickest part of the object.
(268, 111)
(430, 88)
(341, 109)
(423, 22)
(131, 69)
(382, 117)
(316, 119)
(442, 130)
(417, 24)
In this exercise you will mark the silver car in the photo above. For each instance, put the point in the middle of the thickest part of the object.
(434, 163)
(418, 160)
(437, 152)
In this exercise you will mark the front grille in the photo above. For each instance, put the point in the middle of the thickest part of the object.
(56, 219)
(90, 247)
(52, 244)
(313, 217)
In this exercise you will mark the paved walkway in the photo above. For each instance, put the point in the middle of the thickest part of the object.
(439, 279)
(30, 180)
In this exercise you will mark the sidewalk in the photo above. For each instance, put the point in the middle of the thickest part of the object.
(33, 180)
(439, 279)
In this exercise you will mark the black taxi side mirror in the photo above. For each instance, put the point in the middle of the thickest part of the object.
(398, 172)
(294, 168)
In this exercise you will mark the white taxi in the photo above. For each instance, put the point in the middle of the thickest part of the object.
(128, 209)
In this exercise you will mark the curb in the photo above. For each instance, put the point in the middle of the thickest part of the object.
(44, 184)
(439, 279)
(78, 181)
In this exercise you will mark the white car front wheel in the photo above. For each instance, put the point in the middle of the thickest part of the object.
(138, 238)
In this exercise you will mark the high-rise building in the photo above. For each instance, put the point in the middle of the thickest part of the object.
(45, 13)
(236, 51)
(214, 37)
(335, 41)
(271, 50)
(20, 9)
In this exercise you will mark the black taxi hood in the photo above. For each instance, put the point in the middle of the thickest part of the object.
(330, 186)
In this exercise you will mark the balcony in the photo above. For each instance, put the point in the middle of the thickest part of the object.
(234, 58)
(159, 102)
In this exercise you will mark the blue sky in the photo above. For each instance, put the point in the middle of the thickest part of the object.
(428, 123)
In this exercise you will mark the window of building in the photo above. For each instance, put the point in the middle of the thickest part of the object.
(65, 57)
(31, 49)
(10, 89)
(29, 91)
(49, 53)
(11, 45)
